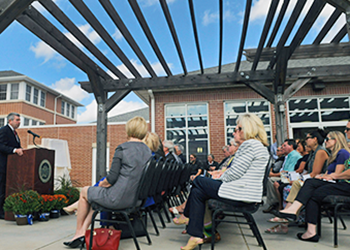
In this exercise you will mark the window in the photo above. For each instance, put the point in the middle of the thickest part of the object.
(187, 125)
(2, 122)
(63, 105)
(68, 109)
(41, 123)
(3, 91)
(42, 99)
(26, 122)
(28, 93)
(36, 96)
(73, 111)
(307, 114)
(34, 123)
(234, 108)
(14, 91)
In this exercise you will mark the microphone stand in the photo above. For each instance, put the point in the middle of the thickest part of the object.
(35, 143)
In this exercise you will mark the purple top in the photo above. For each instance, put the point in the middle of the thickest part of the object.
(342, 156)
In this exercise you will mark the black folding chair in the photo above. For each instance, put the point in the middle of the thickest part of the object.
(133, 211)
(336, 206)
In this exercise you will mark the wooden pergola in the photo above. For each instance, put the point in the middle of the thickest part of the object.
(101, 83)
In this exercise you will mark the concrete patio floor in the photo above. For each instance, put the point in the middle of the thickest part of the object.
(51, 235)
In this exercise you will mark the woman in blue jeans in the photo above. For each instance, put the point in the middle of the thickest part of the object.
(242, 182)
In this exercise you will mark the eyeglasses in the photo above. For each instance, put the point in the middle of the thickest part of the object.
(329, 138)
(237, 129)
(347, 129)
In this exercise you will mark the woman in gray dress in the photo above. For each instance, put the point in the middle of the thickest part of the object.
(118, 189)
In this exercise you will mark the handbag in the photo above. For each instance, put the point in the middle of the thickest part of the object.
(103, 239)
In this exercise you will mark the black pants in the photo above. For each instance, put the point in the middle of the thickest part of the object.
(314, 191)
(2, 191)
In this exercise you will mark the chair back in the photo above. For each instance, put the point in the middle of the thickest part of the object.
(156, 177)
(146, 180)
(162, 177)
(267, 173)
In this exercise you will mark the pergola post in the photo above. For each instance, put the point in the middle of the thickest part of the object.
(101, 130)
(280, 118)
(101, 141)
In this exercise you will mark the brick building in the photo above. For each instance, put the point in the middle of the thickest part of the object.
(202, 120)
(35, 102)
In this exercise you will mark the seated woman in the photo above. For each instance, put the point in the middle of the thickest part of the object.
(311, 195)
(118, 190)
(212, 164)
(242, 182)
(336, 143)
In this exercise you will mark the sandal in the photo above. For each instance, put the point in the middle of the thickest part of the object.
(277, 220)
(175, 211)
(192, 243)
(181, 221)
(278, 229)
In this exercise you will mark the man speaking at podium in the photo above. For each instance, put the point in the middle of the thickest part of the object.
(9, 144)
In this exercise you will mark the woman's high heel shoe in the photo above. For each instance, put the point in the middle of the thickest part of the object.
(192, 243)
(70, 211)
(75, 243)
(180, 221)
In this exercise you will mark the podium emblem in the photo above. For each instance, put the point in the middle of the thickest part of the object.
(45, 171)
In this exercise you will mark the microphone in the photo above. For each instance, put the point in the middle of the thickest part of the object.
(33, 134)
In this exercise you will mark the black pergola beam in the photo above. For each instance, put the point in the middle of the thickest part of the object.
(170, 22)
(340, 35)
(143, 23)
(267, 25)
(221, 28)
(262, 90)
(38, 25)
(278, 23)
(306, 25)
(343, 5)
(73, 29)
(10, 9)
(289, 27)
(305, 51)
(113, 14)
(329, 24)
(106, 37)
(207, 80)
(195, 33)
(116, 98)
(244, 33)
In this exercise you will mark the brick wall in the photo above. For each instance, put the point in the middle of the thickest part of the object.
(215, 99)
(80, 140)
(35, 112)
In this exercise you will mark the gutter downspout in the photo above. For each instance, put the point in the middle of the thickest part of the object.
(54, 117)
(153, 111)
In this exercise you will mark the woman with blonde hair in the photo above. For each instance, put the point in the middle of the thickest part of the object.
(242, 182)
(118, 189)
(152, 141)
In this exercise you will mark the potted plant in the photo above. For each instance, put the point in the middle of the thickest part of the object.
(66, 188)
(60, 201)
(48, 203)
(23, 204)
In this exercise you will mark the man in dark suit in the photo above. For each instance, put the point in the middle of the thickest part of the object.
(9, 144)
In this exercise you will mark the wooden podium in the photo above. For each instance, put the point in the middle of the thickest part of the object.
(33, 170)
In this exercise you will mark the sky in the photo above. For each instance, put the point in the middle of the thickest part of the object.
(23, 52)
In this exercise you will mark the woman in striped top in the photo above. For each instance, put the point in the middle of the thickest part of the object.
(242, 182)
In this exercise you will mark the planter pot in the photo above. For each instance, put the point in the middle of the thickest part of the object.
(55, 214)
(21, 219)
(44, 216)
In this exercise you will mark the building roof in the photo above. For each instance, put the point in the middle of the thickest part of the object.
(11, 76)
(144, 112)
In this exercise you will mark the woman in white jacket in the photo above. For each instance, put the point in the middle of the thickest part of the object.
(242, 182)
